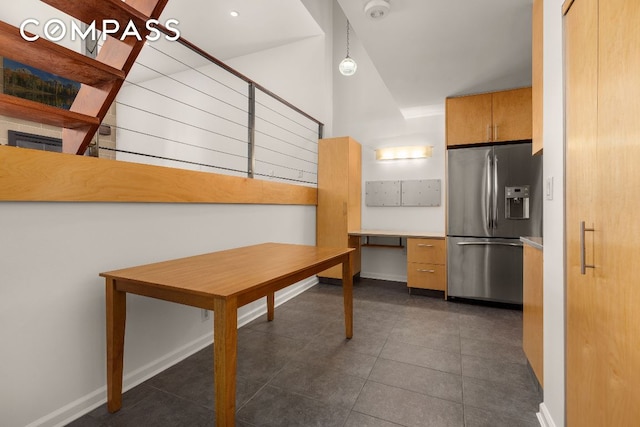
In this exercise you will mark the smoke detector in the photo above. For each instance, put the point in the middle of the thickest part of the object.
(377, 9)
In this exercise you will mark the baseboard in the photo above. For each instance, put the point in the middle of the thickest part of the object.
(544, 417)
(379, 276)
(88, 403)
(93, 400)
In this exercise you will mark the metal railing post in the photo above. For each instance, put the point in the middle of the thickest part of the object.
(251, 130)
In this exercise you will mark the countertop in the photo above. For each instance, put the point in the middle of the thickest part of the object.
(535, 242)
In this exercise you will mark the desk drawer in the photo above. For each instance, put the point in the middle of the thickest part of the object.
(426, 276)
(427, 251)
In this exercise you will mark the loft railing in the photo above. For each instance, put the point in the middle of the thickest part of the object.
(188, 111)
(182, 107)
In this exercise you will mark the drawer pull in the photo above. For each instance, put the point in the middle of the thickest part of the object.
(426, 271)
(424, 245)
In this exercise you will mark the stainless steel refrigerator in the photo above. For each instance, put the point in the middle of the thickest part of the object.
(494, 196)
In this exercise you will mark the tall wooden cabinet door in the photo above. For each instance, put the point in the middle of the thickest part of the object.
(354, 207)
(512, 115)
(339, 197)
(585, 328)
(468, 119)
(355, 187)
(617, 223)
(333, 193)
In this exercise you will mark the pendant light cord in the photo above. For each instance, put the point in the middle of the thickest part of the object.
(347, 38)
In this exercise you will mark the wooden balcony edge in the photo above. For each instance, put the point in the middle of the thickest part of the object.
(37, 176)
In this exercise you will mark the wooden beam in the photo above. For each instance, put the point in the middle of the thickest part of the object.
(32, 175)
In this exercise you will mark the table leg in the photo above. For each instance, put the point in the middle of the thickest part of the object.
(116, 318)
(347, 292)
(225, 348)
(270, 305)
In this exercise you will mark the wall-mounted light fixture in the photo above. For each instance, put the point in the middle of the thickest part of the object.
(412, 152)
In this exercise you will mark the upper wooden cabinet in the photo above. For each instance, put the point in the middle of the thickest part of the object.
(339, 198)
(489, 117)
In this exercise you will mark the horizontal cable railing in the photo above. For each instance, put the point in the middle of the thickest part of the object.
(180, 107)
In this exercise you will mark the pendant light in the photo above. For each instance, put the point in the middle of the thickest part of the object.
(348, 66)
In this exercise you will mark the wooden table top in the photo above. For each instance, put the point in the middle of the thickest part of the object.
(230, 272)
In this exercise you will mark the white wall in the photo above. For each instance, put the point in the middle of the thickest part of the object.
(554, 296)
(296, 71)
(52, 300)
(365, 110)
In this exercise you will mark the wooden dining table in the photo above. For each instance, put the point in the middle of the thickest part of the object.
(220, 281)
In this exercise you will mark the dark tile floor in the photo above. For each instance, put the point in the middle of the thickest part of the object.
(413, 361)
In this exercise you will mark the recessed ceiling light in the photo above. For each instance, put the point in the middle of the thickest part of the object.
(234, 13)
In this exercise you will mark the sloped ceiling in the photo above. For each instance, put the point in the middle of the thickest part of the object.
(261, 24)
(424, 50)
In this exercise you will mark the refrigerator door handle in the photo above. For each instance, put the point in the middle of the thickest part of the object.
(488, 195)
(495, 191)
(489, 243)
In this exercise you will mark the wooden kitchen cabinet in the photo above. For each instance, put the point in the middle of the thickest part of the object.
(532, 309)
(602, 243)
(490, 117)
(426, 264)
(339, 198)
(468, 119)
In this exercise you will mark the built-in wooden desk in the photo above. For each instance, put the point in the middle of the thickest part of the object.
(426, 256)
(222, 282)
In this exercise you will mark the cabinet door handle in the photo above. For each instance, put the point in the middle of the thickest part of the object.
(495, 132)
(425, 245)
(583, 262)
(426, 271)
(489, 132)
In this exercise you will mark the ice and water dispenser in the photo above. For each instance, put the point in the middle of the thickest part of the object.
(516, 202)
